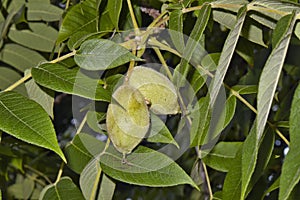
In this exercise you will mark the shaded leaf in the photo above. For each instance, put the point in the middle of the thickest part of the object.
(89, 179)
(71, 81)
(226, 55)
(145, 167)
(222, 156)
(159, 132)
(39, 10)
(232, 184)
(114, 10)
(290, 175)
(107, 189)
(64, 189)
(81, 150)
(176, 29)
(43, 96)
(87, 12)
(252, 32)
(245, 89)
(93, 119)
(20, 57)
(193, 44)
(40, 37)
(26, 120)
(100, 54)
(21, 190)
(8, 77)
(271, 72)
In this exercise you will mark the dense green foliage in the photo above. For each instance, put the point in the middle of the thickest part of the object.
(231, 66)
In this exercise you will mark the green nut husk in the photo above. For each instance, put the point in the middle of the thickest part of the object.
(156, 88)
(127, 118)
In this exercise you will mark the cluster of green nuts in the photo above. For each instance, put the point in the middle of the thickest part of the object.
(128, 118)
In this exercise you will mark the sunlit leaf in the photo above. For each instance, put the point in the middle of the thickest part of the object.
(27, 121)
(71, 81)
(271, 71)
(145, 167)
(100, 54)
(81, 17)
(226, 55)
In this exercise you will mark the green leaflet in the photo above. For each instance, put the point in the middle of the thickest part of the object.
(40, 37)
(271, 71)
(88, 14)
(100, 54)
(145, 167)
(81, 150)
(290, 175)
(20, 57)
(27, 121)
(63, 189)
(222, 156)
(71, 81)
(107, 188)
(89, 179)
(114, 10)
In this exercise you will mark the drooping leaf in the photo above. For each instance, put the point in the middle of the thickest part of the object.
(87, 12)
(81, 150)
(249, 157)
(222, 156)
(245, 89)
(264, 154)
(232, 184)
(271, 71)
(43, 96)
(107, 188)
(252, 32)
(93, 119)
(145, 167)
(71, 81)
(176, 29)
(89, 179)
(40, 10)
(64, 189)
(8, 77)
(159, 132)
(99, 54)
(40, 37)
(20, 57)
(27, 121)
(290, 175)
(193, 44)
(226, 55)
(114, 10)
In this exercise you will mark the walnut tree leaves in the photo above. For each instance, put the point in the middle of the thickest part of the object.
(128, 117)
